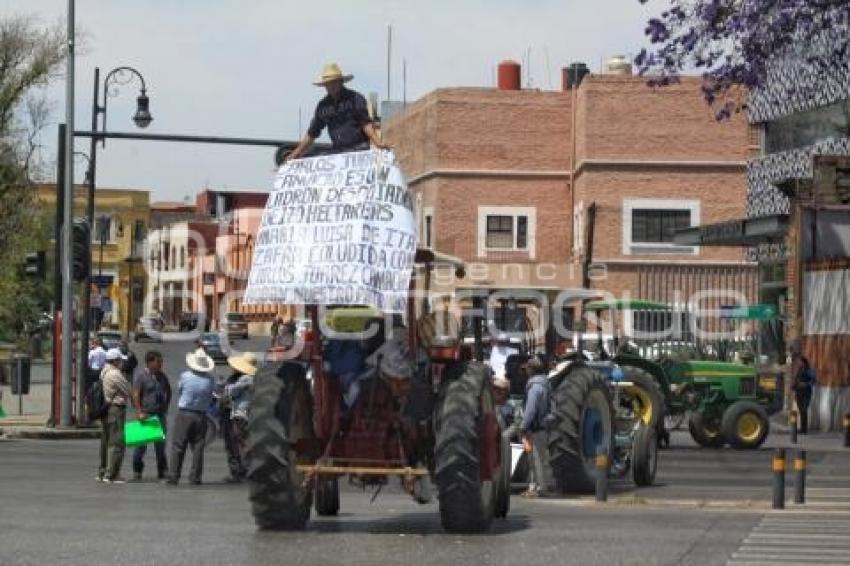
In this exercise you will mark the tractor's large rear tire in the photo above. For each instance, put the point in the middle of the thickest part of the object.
(467, 503)
(281, 414)
(644, 456)
(745, 425)
(705, 430)
(582, 426)
(327, 497)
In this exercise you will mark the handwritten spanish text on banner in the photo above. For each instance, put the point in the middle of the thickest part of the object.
(337, 229)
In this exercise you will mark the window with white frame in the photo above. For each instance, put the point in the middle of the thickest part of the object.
(103, 229)
(649, 225)
(506, 228)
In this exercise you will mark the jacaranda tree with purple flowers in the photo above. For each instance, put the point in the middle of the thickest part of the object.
(734, 42)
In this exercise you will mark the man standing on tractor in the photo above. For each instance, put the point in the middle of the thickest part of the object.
(344, 112)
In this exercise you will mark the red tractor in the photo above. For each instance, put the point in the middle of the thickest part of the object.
(440, 423)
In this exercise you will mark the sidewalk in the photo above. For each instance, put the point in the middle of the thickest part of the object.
(31, 422)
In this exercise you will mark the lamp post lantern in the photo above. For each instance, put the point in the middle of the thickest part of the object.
(117, 77)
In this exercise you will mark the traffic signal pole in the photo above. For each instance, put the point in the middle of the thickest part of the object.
(68, 197)
(55, 407)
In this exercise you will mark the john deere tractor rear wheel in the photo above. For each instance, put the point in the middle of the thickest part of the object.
(467, 502)
(745, 425)
(645, 395)
(281, 415)
(581, 428)
(705, 430)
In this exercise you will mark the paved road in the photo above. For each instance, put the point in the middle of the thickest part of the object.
(52, 512)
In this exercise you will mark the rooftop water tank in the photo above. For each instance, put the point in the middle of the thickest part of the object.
(510, 75)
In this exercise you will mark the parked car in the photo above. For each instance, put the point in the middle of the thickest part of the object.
(189, 321)
(110, 338)
(210, 342)
(149, 328)
(235, 324)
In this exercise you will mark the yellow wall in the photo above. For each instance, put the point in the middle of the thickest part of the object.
(126, 207)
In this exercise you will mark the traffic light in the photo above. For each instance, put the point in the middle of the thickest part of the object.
(34, 265)
(81, 252)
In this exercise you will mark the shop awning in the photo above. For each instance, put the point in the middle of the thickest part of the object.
(744, 232)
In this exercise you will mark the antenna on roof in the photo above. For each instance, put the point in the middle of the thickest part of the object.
(389, 57)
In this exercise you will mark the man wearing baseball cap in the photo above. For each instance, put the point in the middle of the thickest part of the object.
(117, 393)
(343, 112)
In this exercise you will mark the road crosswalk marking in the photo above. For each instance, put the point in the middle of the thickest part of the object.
(782, 539)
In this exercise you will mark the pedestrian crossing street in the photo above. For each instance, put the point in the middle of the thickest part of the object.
(783, 538)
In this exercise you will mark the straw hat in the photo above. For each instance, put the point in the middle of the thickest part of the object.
(199, 361)
(245, 364)
(331, 72)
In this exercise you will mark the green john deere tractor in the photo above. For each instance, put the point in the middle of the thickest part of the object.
(724, 402)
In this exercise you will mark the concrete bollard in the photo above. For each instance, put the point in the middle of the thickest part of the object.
(602, 477)
(847, 430)
(779, 479)
(800, 478)
(792, 422)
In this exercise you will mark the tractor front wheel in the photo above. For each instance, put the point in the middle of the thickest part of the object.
(281, 415)
(503, 495)
(327, 497)
(745, 425)
(705, 430)
(644, 456)
(467, 501)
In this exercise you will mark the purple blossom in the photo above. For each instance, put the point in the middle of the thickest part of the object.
(734, 41)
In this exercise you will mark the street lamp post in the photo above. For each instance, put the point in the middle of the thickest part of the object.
(142, 118)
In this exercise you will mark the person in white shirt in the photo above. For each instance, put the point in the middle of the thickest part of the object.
(97, 360)
(500, 353)
(97, 355)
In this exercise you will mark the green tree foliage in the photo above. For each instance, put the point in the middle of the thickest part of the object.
(31, 55)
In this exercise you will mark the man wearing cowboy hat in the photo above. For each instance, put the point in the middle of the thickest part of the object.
(238, 393)
(344, 112)
(195, 391)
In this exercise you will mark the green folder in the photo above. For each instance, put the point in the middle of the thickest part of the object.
(149, 430)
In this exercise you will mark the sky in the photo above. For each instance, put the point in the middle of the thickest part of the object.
(245, 68)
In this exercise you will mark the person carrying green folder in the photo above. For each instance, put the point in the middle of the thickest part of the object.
(151, 397)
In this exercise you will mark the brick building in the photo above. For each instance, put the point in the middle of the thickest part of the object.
(583, 187)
